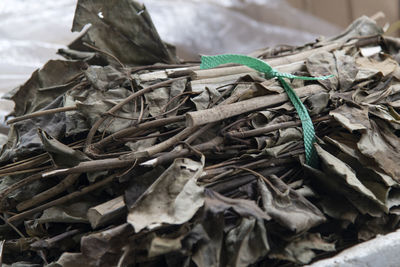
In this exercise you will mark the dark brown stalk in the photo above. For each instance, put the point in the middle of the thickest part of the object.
(25, 171)
(49, 193)
(161, 67)
(51, 242)
(127, 139)
(25, 164)
(19, 184)
(222, 112)
(234, 182)
(271, 128)
(170, 156)
(41, 113)
(12, 227)
(216, 174)
(91, 166)
(105, 53)
(63, 199)
(160, 147)
(106, 212)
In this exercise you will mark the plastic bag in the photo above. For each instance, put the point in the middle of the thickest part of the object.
(30, 34)
(232, 26)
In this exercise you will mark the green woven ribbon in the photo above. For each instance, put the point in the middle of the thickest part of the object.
(208, 62)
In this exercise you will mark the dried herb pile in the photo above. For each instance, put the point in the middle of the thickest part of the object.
(122, 155)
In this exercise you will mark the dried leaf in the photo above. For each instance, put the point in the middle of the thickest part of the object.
(99, 249)
(339, 208)
(104, 78)
(317, 103)
(321, 64)
(172, 199)
(217, 203)
(92, 104)
(246, 243)
(73, 213)
(362, 26)
(36, 93)
(209, 239)
(134, 33)
(163, 245)
(287, 207)
(163, 99)
(353, 119)
(346, 68)
(62, 155)
(301, 250)
(382, 146)
(386, 66)
(341, 170)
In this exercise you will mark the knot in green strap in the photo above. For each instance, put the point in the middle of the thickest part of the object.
(208, 62)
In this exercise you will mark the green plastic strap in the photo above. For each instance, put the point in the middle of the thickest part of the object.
(208, 62)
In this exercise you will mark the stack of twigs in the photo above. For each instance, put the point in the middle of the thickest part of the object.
(168, 164)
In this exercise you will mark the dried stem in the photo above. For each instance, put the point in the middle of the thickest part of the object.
(104, 52)
(221, 112)
(49, 193)
(160, 147)
(275, 62)
(170, 156)
(41, 113)
(271, 128)
(25, 164)
(214, 175)
(127, 139)
(51, 242)
(91, 166)
(25, 171)
(12, 226)
(106, 212)
(19, 184)
(63, 199)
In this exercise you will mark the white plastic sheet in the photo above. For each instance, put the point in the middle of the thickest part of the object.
(30, 33)
(233, 26)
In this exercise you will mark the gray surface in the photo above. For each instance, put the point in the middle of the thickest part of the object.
(382, 251)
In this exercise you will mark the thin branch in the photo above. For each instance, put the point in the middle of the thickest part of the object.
(160, 147)
(152, 135)
(222, 112)
(170, 156)
(141, 110)
(12, 226)
(91, 166)
(4, 174)
(104, 52)
(49, 193)
(41, 113)
(271, 128)
(63, 199)
(19, 184)
(51, 242)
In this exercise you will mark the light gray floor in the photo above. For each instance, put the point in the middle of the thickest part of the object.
(382, 251)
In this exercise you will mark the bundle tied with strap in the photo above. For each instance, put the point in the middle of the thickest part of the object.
(208, 62)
